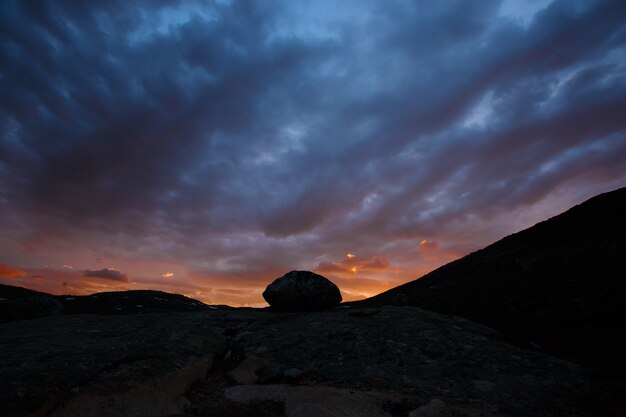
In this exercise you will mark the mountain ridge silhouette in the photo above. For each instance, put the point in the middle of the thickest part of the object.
(558, 286)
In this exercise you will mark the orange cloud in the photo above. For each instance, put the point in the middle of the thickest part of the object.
(62, 281)
(238, 289)
(360, 277)
(432, 251)
(328, 266)
(353, 264)
(7, 271)
(429, 245)
(377, 263)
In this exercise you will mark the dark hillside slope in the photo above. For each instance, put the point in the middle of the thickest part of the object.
(17, 303)
(560, 284)
(127, 302)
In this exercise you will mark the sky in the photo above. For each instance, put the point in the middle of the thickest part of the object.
(209, 147)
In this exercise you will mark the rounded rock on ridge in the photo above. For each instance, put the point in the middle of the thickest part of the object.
(302, 291)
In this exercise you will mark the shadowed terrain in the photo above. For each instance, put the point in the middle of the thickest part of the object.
(558, 286)
(343, 362)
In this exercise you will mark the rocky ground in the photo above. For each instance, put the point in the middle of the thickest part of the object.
(391, 361)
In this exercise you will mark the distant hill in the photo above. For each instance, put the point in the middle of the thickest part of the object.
(20, 303)
(17, 303)
(10, 292)
(124, 302)
(559, 286)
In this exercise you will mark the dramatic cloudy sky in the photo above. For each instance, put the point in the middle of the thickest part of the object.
(208, 147)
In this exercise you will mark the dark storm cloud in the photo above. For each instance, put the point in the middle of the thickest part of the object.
(106, 273)
(246, 136)
(102, 124)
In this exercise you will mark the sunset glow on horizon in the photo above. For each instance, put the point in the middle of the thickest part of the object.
(209, 147)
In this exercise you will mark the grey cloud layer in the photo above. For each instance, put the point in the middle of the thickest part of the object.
(107, 273)
(242, 135)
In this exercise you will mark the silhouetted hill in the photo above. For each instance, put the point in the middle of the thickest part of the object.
(9, 292)
(21, 303)
(559, 285)
(17, 303)
(134, 301)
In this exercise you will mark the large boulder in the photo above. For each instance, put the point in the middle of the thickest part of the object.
(302, 291)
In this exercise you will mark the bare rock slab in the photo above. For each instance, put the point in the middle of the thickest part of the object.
(106, 366)
(319, 401)
(410, 351)
(435, 408)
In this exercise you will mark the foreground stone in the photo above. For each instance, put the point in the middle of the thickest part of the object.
(435, 408)
(302, 291)
(320, 401)
(139, 365)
